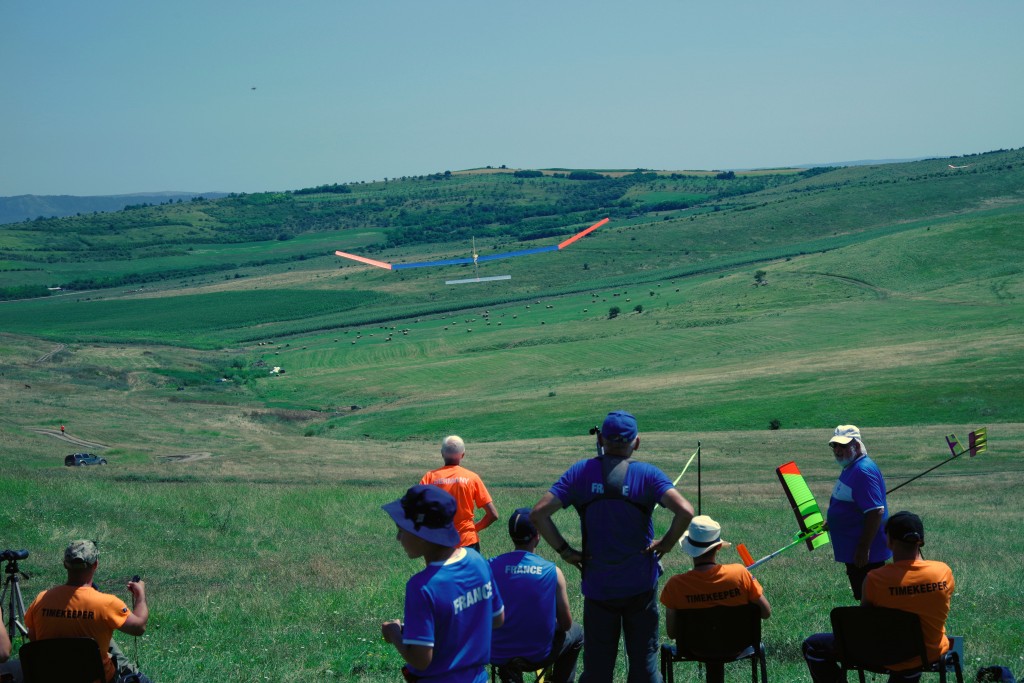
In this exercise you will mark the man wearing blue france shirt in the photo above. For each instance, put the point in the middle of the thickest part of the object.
(538, 628)
(452, 605)
(857, 510)
(615, 498)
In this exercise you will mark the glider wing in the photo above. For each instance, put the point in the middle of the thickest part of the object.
(475, 258)
(808, 514)
(363, 259)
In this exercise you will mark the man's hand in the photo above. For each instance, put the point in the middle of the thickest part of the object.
(573, 557)
(658, 548)
(391, 631)
(138, 590)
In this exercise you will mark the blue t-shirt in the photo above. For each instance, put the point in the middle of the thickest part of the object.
(529, 585)
(449, 607)
(616, 529)
(859, 490)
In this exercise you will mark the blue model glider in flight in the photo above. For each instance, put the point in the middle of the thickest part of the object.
(475, 258)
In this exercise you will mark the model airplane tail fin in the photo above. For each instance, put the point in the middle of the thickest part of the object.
(977, 442)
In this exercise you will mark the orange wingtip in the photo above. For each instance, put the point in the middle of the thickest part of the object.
(363, 259)
(745, 555)
(583, 233)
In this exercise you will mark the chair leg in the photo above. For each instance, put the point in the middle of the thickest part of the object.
(957, 669)
(667, 674)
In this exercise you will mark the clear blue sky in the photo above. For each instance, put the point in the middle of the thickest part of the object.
(116, 97)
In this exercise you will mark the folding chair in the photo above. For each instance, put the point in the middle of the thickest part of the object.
(61, 660)
(872, 638)
(716, 634)
(541, 672)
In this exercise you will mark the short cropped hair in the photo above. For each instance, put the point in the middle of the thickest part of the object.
(452, 445)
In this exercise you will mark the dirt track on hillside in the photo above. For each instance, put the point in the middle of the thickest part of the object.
(64, 436)
(186, 457)
(95, 446)
(47, 356)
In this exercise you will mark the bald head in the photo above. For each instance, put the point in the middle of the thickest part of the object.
(452, 449)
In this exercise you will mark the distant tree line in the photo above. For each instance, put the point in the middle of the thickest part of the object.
(334, 188)
(23, 292)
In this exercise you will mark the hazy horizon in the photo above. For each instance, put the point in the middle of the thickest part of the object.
(123, 98)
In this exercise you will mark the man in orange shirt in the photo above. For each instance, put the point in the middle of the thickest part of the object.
(468, 490)
(910, 583)
(709, 584)
(77, 610)
(5, 641)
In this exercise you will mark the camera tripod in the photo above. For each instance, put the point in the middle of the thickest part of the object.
(10, 599)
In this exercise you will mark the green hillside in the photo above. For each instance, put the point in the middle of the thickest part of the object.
(902, 279)
(259, 398)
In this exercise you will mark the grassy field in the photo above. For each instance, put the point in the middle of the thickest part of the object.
(281, 568)
(249, 500)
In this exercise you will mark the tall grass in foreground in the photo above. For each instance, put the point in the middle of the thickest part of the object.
(285, 573)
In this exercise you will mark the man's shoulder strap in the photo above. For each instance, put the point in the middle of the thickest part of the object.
(613, 474)
(613, 479)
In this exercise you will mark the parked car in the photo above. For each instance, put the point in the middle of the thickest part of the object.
(84, 459)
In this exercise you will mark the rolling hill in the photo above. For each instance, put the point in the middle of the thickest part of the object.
(258, 398)
(718, 302)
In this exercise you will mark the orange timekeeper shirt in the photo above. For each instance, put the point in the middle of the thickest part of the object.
(924, 587)
(78, 612)
(730, 585)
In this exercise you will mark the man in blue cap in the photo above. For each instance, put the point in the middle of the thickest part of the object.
(452, 605)
(615, 497)
(538, 628)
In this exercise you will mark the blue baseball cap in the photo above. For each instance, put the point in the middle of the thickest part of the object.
(426, 511)
(619, 427)
(520, 528)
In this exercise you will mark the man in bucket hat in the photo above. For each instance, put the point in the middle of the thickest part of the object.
(709, 584)
(452, 605)
(857, 509)
(911, 584)
(615, 497)
(77, 610)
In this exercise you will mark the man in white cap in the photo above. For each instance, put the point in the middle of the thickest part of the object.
(857, 510)
(709, 584)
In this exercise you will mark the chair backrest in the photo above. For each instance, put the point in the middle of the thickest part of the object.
(717, 632)
(61, 660)
(873, 638)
